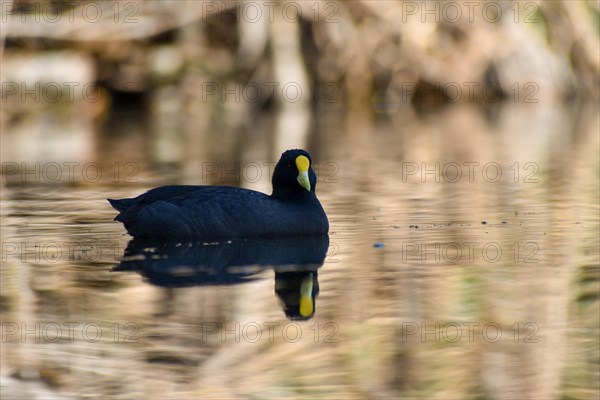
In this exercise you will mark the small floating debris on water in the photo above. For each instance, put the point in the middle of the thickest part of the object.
(504, 222)
(378, 245)
(483, 222)
(435, 226)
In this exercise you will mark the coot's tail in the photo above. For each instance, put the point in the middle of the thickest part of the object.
(121, 205)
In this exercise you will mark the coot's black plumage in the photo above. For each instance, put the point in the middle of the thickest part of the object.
(213, 212)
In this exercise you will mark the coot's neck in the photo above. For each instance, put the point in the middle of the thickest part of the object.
(292, 194)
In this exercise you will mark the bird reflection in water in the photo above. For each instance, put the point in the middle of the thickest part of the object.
(295, 261)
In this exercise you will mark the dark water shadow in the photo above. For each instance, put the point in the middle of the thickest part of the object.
(177, 264)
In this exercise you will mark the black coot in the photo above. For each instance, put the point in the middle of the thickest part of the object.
(212, 212)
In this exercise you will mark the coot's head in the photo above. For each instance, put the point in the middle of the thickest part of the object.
(293, 174)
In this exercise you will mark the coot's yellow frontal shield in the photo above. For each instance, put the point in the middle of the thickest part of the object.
(303, 165)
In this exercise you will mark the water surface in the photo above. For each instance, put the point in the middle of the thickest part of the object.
(462, 263)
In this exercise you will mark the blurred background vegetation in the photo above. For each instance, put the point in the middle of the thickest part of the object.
(174, 68)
